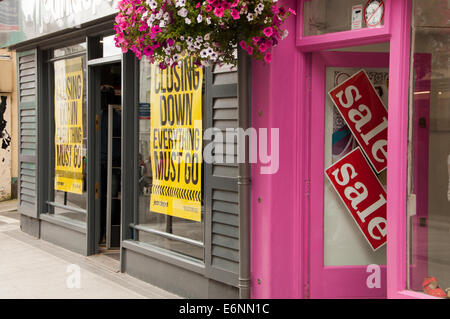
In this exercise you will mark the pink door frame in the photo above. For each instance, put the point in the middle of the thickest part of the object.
(333, 281)
(280, 202)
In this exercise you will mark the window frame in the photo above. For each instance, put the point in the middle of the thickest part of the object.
(49, 198)
(343, 38)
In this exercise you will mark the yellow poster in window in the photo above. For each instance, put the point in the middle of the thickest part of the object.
(176, 140)
(69, 125)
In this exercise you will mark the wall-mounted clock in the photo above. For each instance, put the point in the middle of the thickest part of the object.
(374, 13)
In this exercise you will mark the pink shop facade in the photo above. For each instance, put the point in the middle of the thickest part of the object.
(305, 242)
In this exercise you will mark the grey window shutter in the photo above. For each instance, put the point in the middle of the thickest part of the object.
(221, 188)
(27, 104)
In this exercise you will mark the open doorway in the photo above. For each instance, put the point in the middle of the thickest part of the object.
(109, 123)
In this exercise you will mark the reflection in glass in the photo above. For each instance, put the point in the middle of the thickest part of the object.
(73, 49)
(109, 46)
(429, 160)
(328, 16)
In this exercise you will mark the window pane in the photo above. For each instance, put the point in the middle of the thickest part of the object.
(343, 241)
(429, 160)
(70, 140)
(327, 16)
(77, 48)
(109, 46)
(173, 225)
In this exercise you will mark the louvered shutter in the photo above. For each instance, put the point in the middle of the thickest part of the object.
(27, 103)
(221, 188)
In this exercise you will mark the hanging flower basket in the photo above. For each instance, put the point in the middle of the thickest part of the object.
(165, 31)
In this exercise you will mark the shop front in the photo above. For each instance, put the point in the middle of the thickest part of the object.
(94, 173)
(359, 92)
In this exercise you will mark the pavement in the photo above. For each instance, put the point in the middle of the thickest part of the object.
(31, 268)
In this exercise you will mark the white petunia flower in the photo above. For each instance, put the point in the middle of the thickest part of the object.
(208, 20)
(183, 12)
(204, 53)
(153, 5)
(180, 3)
(214, 56)
(250, 16)
(162, 24)
(199, 18)
(187, 21)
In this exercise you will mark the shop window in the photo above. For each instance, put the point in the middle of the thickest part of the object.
(343, 242)
(68, 197)
(179, 234)
(429, 153)
(328, 16)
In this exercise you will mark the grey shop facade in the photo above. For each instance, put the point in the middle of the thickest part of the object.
(206, 259)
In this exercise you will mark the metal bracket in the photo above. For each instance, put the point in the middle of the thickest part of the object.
(411, 205)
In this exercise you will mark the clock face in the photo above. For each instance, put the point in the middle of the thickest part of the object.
(374, 12)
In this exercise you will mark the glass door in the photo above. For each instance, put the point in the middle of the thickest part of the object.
(347, 251)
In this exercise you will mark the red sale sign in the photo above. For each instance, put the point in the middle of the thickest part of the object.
(365, 115)
(362, 194)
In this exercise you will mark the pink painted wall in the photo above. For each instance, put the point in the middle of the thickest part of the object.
(276, 219)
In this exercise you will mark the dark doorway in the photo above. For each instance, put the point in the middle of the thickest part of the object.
(110, 118)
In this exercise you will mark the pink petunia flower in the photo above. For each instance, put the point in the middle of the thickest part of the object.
(292, 11)
(148, 51)
(143, 27)
(268, 31)
(235, 14)
(156, 29)
(250, 50)
(268, 57)
(243, 44)
(219, 12)
(263, 47)
(208, 8)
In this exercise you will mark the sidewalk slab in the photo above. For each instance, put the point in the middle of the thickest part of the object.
(33, 268)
